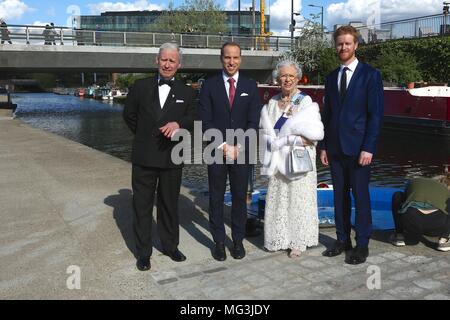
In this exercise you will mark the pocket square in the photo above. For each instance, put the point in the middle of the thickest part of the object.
(244, 94)
(179, 101)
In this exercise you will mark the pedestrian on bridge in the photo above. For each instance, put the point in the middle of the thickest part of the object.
(5, 33)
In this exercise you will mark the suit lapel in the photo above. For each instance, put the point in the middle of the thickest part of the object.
(354, 78)
(334, 88)
(170, 101)
(239, 91)
(154, 107)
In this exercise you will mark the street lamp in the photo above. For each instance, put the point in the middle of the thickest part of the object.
(445, 11)
(292, 25)
(321, 13)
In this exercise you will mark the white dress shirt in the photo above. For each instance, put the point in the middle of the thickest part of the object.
(227, 84)
(351, 70)
(163, 92)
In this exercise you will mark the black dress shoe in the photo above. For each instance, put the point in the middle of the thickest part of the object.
(219, 252)
(175, 255)
(359, 255)
(143, 264)
(337, 248)
(238, 251)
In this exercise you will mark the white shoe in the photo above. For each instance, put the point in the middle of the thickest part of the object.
(397, 239)
(444, 244)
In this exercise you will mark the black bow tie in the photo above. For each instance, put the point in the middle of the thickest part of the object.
(163, 81)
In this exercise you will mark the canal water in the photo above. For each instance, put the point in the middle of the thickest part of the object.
(99, 125)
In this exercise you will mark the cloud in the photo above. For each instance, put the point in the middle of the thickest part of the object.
(12, 9)
(280, 16)
(138, 5)
(387, 10)
(51, 12)
(229, 5)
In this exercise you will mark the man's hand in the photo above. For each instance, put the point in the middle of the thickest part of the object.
(169, 129)
(365, 158)
(323, 157)
(230, 152)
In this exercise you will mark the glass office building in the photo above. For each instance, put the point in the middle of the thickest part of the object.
(239, 23)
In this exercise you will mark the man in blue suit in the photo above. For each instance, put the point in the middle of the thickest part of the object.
(229, 101)
(352, 118)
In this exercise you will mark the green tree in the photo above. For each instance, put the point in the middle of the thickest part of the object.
(127, 80)
(431, 54)
(309, 49)
(194, 16)
(45, 80)
(397, 67)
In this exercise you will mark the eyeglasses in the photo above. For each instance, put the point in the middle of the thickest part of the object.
(288, 76)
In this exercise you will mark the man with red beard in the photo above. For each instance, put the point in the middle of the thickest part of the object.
(352, 117)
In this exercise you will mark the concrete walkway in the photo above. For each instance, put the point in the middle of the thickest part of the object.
(66, 208)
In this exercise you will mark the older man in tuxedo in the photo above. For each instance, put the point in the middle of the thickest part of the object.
(229, 101)
(352, 117)
(155, 109)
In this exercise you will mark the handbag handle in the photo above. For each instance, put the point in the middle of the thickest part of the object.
(295, 140)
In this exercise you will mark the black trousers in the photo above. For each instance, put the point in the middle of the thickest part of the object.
(217, 176)
(348, 176)
(414, 222)
(166, 184)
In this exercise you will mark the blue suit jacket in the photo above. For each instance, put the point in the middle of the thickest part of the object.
(355, 122)
(215, 111)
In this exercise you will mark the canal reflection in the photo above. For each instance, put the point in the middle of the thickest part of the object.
(99, 125)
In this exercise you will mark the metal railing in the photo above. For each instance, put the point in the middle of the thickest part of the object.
(428, 26)
(39, 35)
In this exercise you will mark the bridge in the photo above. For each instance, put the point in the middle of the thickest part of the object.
(108, 51)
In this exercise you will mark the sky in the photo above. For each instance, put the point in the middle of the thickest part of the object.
(41, 12)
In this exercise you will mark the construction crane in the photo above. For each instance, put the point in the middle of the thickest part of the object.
(261, 40)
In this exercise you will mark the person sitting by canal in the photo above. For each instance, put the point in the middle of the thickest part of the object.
(5, 33)
(423, 209)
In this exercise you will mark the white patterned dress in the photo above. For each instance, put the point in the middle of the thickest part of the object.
(291, 215)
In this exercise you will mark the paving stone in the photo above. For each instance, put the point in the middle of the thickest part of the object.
(404, 275)
(375, 259)
(409, 292)
(393, 255)
(437, 296)
(417, 259)
(312, 264)
(428, 284)
(337, 271)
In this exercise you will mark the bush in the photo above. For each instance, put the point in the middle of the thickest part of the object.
(432, 55)
(398, 68)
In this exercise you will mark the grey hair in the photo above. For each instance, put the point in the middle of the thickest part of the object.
(170, 46)
(284, 63)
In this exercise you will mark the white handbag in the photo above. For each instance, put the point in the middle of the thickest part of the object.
(299, 160)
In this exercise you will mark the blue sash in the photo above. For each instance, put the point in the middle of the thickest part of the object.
(282, 120)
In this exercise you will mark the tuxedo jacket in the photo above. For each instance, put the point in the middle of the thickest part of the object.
(144, 116)
(215, 109)
(355, 122)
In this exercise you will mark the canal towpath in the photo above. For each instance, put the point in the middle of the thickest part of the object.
(65, 209)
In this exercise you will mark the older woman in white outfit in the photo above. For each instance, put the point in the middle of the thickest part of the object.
(291, 216)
